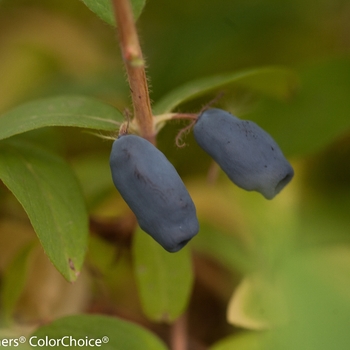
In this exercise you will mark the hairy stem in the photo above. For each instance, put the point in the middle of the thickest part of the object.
(135, 68)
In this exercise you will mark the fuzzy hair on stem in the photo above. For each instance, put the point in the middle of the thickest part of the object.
(135, 68)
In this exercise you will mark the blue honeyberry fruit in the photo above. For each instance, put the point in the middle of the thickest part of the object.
(154, 191)
(245, 152)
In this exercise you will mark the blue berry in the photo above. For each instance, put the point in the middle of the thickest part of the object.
(154, 191)
(245, 152)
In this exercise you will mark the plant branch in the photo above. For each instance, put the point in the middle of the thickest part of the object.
(178, 337)
(135, 68)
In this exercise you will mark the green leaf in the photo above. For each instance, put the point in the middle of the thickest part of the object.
(113, 333)
(90, 167)
(243, 341)
(50, 194)
(79, 111)
(14, 280)
(315, 284)
(316, 116)
(104, 9)
(226, 249)
(257, 303)
(164, 279)
(271, 81)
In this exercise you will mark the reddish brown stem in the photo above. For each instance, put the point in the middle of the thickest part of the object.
(135, 68)
(178, 338)
(182, 132)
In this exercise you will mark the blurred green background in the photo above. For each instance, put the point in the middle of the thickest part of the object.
(285, 261)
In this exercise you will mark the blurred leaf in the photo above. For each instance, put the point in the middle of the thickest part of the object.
(243, 341)
(324, 219)
(113, 270)
(101, 255)
(225, 248)
(13, 280)
(89, 168)
(270, 81)
(319, 113)
(273, 224)
(108, 85)
(316, 285)
(164, 279)
(50, 194)
(84, 112)
(23, 69)
(240, 229)
(104, 9)
(121, 335)
(256, 304)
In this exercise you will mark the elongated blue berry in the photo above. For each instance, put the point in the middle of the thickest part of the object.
(245, 152)
(154, 191)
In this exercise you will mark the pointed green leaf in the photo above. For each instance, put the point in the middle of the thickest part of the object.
(164, 279)
(14, 280)
(257, 303)
(50, 194)
(104, 9)
(104, 332)
(83, 112)
(271, 81)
